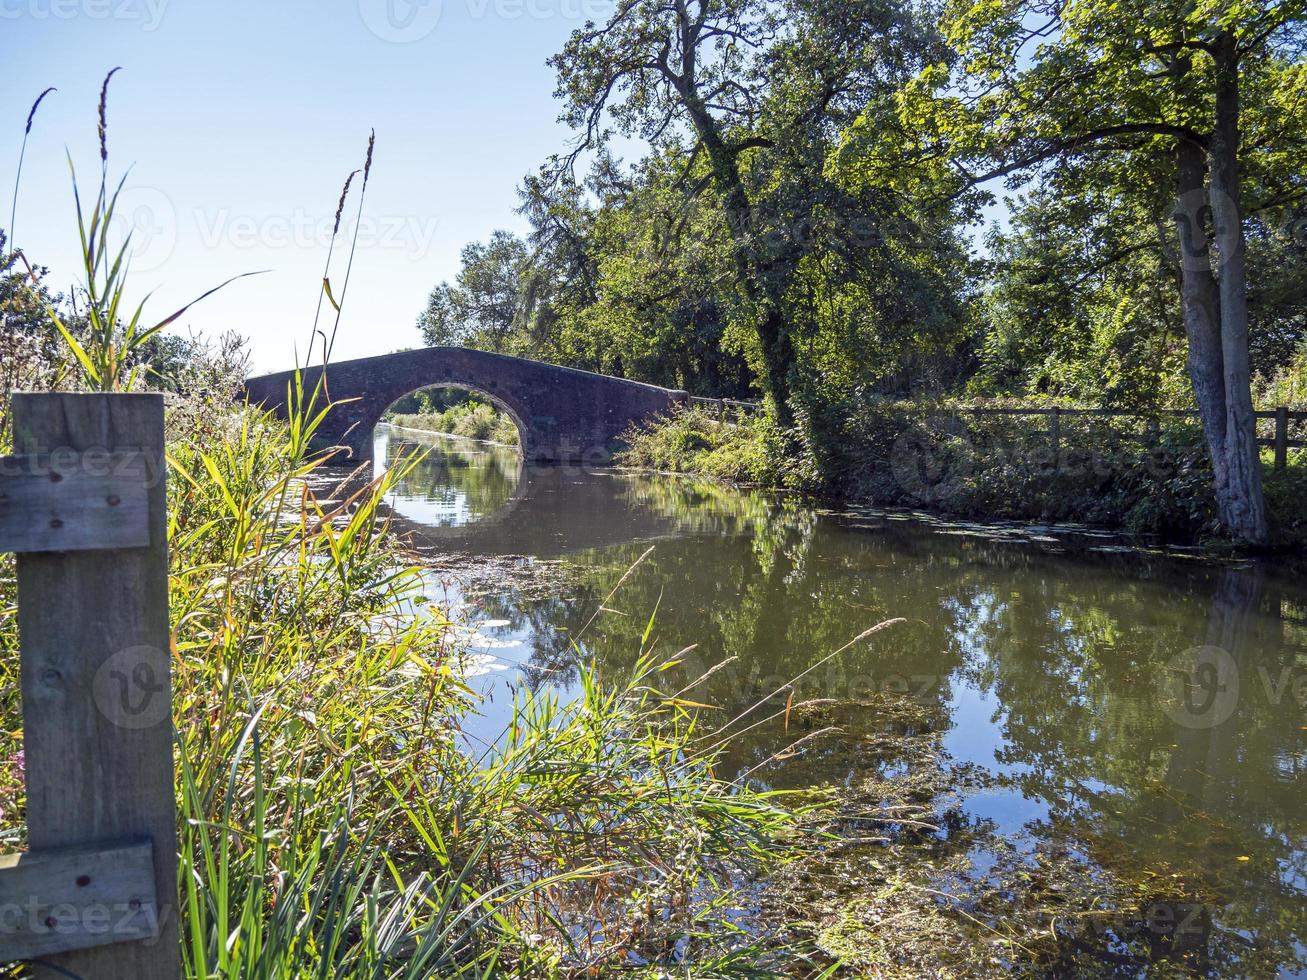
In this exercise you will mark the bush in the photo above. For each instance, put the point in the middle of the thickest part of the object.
(692, 440)
(1286, 501)
(1107, 471)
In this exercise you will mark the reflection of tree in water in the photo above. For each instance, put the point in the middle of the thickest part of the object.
(780, 600)
(1074, 653)
(1076, 658)
(449, 472)
(708, 508)
(1084, 671)
(549, 623)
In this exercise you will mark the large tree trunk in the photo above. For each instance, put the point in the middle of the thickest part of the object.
(1246, 518)
(753, 273)
(753, 270)
(1199, 303)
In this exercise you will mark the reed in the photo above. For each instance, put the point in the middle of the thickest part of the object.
(114, 334)
(22, 154)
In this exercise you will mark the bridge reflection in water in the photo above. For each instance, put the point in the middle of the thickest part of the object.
(479, 499)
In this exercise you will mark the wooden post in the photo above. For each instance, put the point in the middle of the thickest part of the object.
(97, 706)
(1281, 437)
(1055, 434)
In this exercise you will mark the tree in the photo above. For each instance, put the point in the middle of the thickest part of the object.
(876, 283)
(481, 308)
(1080, 300)
(754, 95)
(662, 64)
(664, 300)
(563, 272)
(1082, 296)
(1205, 96)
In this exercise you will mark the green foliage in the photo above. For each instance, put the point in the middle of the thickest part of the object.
(1110, 472)
(482, 308)
(24, 293)
(726, 260)
(115, 336)
(1181, 117)
(1288, 385)
(1286, 499)
(471, 420)
(694, 441)
(1004, 467)
(1080, 304)
(813, 172)
(1087, 102)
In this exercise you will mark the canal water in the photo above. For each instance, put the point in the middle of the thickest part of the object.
(1143, 712)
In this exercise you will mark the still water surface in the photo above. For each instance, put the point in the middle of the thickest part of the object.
(1153, 706)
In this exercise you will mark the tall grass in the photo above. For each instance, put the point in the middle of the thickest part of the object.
(113, 333)
(22, 155)
(334, 825)
(332, 821)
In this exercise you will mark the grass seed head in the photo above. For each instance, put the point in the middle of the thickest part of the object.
(340, 205)
(40, 98)
(104, 126)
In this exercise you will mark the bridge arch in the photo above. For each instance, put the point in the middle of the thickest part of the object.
(563, 415)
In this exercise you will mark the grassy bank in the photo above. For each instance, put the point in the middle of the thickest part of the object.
(471, 420)
(988, 467)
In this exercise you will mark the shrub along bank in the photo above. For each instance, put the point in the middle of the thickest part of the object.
(934, 457)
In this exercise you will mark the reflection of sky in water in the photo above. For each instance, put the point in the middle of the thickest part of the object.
(976, 736)
(1049, 669)
(497, 654)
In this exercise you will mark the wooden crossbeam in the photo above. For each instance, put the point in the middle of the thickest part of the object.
(73, 898)
(74, 501)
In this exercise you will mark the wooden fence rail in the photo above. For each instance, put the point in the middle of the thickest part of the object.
(1280, 441)
(82, 503)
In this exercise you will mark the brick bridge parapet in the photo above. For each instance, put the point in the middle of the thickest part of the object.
(564, 415)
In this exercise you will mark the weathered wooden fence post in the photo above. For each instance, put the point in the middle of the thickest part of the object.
(83, 502)
(1282, 437)
(1055, 435)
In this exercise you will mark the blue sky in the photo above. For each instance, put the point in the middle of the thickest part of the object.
(240, 120)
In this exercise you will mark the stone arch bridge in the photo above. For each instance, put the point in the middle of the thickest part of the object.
(564, 415)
